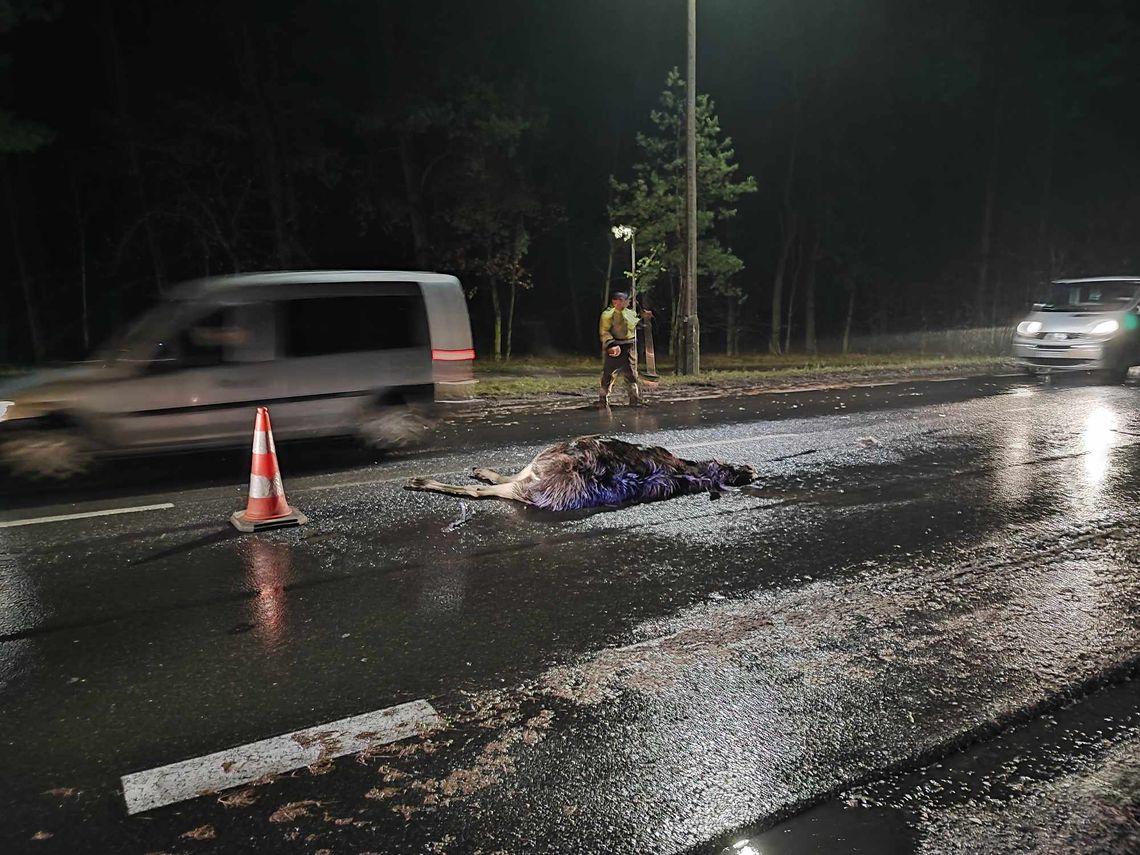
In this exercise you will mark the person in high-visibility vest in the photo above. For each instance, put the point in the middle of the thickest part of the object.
(618, 332)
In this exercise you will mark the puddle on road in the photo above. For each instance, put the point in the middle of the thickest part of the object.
(1059, 778)
(832, 829)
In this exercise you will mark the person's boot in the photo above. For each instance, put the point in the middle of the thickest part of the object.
(603, 400)
(635, 399)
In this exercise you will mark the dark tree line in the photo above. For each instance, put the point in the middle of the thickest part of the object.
(916, 165)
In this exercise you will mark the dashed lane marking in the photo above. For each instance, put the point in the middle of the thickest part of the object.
(109, 512)
(243, 764)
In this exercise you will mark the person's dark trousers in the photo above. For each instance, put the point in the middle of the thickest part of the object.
(625, 364)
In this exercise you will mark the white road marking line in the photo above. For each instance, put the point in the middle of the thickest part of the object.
(87, 515)
(201, 776)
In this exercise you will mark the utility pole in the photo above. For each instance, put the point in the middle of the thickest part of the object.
(689, 359)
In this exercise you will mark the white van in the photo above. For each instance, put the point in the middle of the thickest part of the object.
(367, 353)
(1087, 325)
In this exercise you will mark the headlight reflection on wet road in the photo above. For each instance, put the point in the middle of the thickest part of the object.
(1100, 426)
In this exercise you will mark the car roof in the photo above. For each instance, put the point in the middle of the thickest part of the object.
(215, 285)
(1097, 279)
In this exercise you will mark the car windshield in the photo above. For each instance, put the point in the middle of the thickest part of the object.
(142, 340)
(1091, 296)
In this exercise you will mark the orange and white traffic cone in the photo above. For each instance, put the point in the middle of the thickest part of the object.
(266, 506)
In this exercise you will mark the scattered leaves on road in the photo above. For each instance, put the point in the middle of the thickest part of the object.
(239, 799)
(406, 811)
(383, 793)
(293, 810)
(202, 832)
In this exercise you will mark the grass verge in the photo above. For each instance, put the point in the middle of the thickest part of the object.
(579, 375)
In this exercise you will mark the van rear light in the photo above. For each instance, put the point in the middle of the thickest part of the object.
(452, 355)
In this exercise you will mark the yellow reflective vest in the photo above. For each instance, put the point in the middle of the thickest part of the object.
(617, 327)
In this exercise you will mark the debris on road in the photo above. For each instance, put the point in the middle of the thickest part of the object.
(202, 832)
(293, 810)
(239, 799)
(465, 513)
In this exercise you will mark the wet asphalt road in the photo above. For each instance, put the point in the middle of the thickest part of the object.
(924, 565)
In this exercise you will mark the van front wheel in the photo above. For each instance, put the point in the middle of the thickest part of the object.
(46, 454)
(388, 427)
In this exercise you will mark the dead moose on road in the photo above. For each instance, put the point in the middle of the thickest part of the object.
(598, 472)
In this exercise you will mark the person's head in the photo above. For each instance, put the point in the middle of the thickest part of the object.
(619, 299)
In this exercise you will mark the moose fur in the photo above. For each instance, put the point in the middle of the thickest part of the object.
(598, 471)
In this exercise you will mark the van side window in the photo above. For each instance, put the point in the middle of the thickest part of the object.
(203, 343)
(323, 325)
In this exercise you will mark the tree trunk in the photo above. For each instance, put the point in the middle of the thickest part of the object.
(571, 295)
(789, 226)
(83, 283)
(267, 149)
(21, 263)
(609, 274)
(81, 236)
(788, 223)
(988, 216)
(810, 343)
(415, 201)
(1044, 252)
(674, 324)
(847, 322)
(730, 326)
(497, 310)
(792, 296)
(119, 84)
(511, 318)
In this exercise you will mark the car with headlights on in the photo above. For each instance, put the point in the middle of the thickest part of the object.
(1086, 325)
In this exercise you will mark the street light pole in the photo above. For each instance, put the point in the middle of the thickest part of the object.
(689, 360)
(629, 233)
(633, 270)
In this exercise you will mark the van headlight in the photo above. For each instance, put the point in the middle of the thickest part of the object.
(11, 411)
(1106, 327)
(1029, 327)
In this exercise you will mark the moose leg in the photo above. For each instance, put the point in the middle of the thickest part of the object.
(490, 476)
(471, 491)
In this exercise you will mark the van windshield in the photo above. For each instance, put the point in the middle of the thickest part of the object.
(144, 339)
(1091, 296)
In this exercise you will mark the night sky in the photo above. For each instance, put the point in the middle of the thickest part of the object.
(913, 119)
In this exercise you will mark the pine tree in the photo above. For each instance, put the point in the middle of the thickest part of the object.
(653, 202)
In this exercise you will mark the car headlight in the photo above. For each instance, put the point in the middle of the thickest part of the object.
(1106, 327)
(1029, 327)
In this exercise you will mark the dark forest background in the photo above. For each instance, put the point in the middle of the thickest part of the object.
(939, 160)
